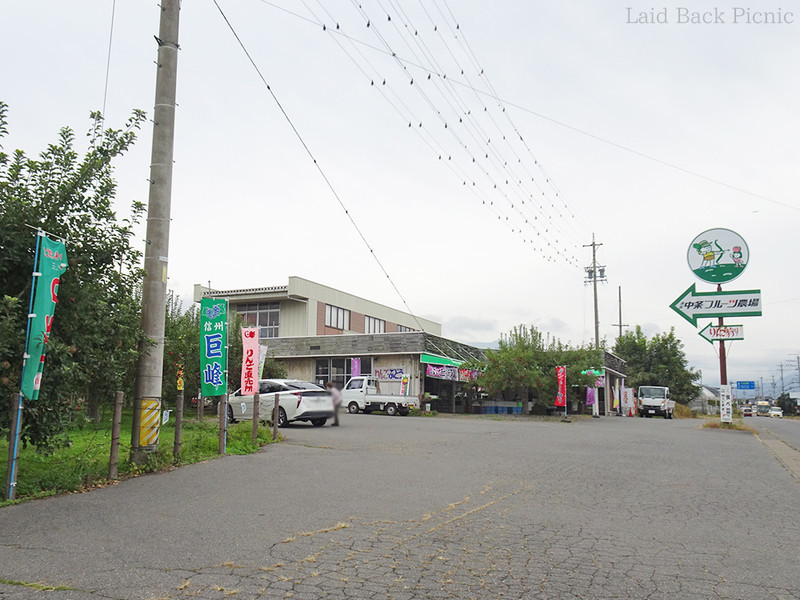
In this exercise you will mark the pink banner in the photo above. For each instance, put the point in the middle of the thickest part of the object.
(250, 357)
(590, 392)
(355, 367)
(561, 398)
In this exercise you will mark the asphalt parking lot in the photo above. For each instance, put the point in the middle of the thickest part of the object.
(445, 507)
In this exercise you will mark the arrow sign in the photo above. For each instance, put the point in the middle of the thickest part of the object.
(724, 333)
(693, 305)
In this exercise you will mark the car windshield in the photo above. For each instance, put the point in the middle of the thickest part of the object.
(652, 392)
(301, 385)
(354, 384)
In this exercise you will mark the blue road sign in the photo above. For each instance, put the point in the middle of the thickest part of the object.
(745, 385)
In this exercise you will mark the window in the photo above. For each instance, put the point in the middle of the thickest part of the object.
(337, 318)
(264, 315)
(339, 370)
(404, 329)
(373, 325)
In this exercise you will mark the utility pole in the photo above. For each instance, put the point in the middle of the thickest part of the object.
(620, 324)
(592, 275)
(154, 292)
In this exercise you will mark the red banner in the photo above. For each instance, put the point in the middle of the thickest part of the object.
(561, 374)
(249, 361)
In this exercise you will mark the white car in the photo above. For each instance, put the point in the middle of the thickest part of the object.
(297, 401)
(776, 411)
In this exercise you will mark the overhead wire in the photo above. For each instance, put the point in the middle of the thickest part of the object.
(510, 103)
(317, 165)
(461, 175)
(108, 69)
(371, 23)
(523, 200)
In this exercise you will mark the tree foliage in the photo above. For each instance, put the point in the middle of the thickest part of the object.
(524, 366)
(181, 349)
(658, 361)
(96, 327)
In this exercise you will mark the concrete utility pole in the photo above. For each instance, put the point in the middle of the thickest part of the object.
(154, 293)
(592, 275)
(620, 324)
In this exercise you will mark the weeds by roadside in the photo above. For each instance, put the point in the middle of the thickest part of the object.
(83, 463)
(714, 423)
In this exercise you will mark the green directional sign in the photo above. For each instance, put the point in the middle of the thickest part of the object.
(721, 333)
(693, 305)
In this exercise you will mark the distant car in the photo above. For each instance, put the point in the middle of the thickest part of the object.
(297, 401)
(747, 411)
(208, 402)
(776, 411)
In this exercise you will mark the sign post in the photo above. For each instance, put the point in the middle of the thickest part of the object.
(725, 404)
(718, 256)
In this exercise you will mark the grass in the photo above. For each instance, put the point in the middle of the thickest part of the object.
(83, 463)
(713, 422)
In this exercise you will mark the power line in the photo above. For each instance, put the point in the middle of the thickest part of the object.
(317, 165)
(492, 94)
(472, 156)
(413, 121)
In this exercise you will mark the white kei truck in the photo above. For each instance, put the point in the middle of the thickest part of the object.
(655, 400)
(363, 393)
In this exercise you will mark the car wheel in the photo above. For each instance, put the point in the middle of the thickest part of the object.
(391, 410)
(230, 414)
(352, 408)
(318, 422)
(282, 420)
(403, 412)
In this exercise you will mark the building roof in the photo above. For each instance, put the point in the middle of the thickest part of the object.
(375, 344)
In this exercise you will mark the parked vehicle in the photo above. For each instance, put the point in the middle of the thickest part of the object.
(363, 394)
(297, 401)
(776, 411)
(762, 408)
(655, 400)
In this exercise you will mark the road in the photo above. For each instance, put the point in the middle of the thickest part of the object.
(447, 507)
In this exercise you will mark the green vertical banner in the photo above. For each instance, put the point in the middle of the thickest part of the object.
(52, 263)
(213, 346)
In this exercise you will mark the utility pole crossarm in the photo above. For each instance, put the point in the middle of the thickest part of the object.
(593, 277)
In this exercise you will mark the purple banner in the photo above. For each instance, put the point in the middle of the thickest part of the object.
(590, 393)
(442, 372)
(355, 367)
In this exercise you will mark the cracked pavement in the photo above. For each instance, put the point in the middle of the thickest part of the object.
(401, 507)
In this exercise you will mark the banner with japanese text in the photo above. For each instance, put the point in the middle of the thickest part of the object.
(213, 346)
(250, 354)
(561, 397)
(52, 263)
(442, 372)
(590, 395)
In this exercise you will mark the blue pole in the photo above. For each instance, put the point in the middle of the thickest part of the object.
(227, 374)
(17, 418)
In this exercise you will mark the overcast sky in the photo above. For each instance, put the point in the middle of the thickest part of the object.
(541, 123)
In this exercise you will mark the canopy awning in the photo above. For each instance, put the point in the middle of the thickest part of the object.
(432, 359)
